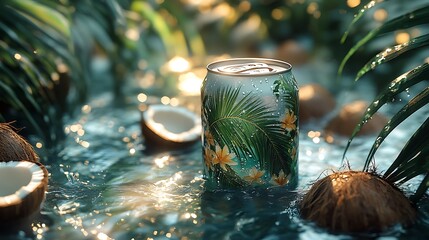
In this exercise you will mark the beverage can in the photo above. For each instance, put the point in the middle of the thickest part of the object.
(250, 122)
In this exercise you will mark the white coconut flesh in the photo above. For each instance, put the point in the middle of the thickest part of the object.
(176, 124)
(17, 180)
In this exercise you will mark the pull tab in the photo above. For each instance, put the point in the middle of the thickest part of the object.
(248, 68)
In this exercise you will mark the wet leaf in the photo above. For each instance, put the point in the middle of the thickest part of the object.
(407, 20)
(359, 15)
(395, 87)
(412, 106)
(421, 190)
(414, 145)
(393, 52)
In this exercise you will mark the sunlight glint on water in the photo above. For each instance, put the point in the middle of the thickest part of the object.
(107, 190)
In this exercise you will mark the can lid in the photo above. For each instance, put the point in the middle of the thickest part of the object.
(249, 66)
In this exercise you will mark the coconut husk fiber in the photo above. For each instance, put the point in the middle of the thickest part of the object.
(13, 147)
(354, 201)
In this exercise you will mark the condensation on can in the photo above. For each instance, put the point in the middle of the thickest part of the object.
(250, 122)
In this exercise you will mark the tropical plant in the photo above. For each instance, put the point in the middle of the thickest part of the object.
(47, 48)
(413, 159)
(35, 47)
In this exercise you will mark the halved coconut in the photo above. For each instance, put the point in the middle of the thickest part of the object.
(170, 126)
(22, 188)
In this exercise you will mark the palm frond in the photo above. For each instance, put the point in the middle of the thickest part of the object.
(393, 52)
(413, 147)
(410, 19)
(411, 107)
(421, 190)
(359, 15)
(412, 160)
(395, 87)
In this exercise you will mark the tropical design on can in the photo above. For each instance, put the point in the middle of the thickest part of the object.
(247, 141)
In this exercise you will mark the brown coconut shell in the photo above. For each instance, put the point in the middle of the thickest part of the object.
(354, 201)
(315, 102)
(13, 147)
(350, 115)
(29, 204)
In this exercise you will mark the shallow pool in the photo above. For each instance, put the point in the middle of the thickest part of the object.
(106, 183)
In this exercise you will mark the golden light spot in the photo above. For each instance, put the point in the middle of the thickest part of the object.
(132, 151)
(85, 144)
(62, 68)
(329, 139)
(81, 132)
(39, 145)
(162, 161)
(86, 109)
(306, 93)
(224, 10)
(278, 14)
(380, 15)
(102, 236)
(141, 97)
(132, 34)
(402, 37)
(75, 127)
(353, 3)
(312, 8)
(17, 56)
(316, 140)
(174, 102)
(313, 134)
(178, 64)
(189, 83)
(55, 76)
(244, 6)
(165, 100)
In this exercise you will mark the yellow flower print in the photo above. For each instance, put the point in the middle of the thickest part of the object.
(254, 175)
(208, 157)
(280, 179)
(223, 157)
(209, 137)
(288, 122)
(293, 153)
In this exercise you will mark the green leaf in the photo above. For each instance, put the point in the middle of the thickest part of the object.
(393, 52)
(421, 190)
(410, 19)
(359, 15)
(157, 22)
(14, 100)
(413, 147)
(412, 106)
(395, 87)
(44, 14)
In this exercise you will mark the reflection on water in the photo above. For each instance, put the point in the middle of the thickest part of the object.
(106, 184)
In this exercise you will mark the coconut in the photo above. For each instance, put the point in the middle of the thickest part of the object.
(13, 147)
(170, 126)
(315, 102)
(353, 201)
(22, 188)
(350, 115)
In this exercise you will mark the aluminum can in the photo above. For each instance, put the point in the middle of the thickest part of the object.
(250, 122)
